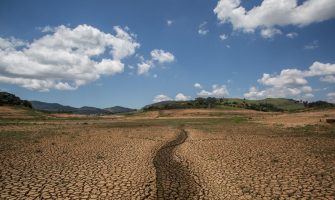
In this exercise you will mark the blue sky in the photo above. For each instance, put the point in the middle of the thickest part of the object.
(166, 48)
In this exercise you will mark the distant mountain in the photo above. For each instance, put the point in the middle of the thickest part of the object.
(52, 107)
(12, 100)
(119, 109)
(56, 107)
(91, 111)
(86, 110)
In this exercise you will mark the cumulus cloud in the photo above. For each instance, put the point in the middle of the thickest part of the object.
(292, 82)
(331, 97)
(160, 98)
(144, 67)
(64, 59)
(292, 35)
(286, 77)
(277, 92)
(329, 79)
(202, 30)
(223, 37)
(47, 29)
(179, 97)
(182, 97)
(109, 67)
(320, 69)
(270, 32)
(197, 85)
(162, 56)
(10, 44)
(217, 91)
(157, 56)
(274, 13)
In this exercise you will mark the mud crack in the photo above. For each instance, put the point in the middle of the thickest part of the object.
(173, 178)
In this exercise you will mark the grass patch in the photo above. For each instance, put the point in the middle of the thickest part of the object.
(238, 119)
(224, 107)
(17, 135)
(33, 136)
(310, 130)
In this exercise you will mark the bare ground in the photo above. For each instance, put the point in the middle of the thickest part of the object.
(231, 155)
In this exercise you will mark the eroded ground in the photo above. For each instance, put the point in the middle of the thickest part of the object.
(219, 155)
(83, 161)
(260, 163)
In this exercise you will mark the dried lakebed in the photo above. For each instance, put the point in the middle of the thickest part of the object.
(173, 178)
(123, 161)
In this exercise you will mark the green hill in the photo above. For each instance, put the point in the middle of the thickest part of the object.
(266, 105)
(9, 99)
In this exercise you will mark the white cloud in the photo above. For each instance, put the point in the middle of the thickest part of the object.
(331, 97)
(331, 94)
(63, 59)
(291, 82)
(270, 32)
(157, 56)
(217, 91)
(312, 45)
(47, 29)
(306, 89)
(320, 69)
(179, 97)
(182, 97)
(144, 67)
(169, 22)
(276, 92)
(123, 44)
(274, 13)
(286, 77)
(308, 96)
(202, 30)
(109, 67)
(10, 44)
(329, 79)
(161, 97)
(155, 76)
(197, 85)
(131, 67)
(162, 56)
(292, 35)
(223, 37)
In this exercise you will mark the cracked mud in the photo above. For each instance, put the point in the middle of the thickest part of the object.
(209, 159)
(173, 179)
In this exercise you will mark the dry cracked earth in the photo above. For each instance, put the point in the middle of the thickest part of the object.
(178, 159)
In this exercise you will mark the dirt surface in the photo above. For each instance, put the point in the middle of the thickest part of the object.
(82, 162)
(204, 113)
(8, 112)
(251, 165)
(173, 178)
(233, 155)
(297, 119)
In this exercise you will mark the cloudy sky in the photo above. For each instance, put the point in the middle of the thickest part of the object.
(132, 53)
